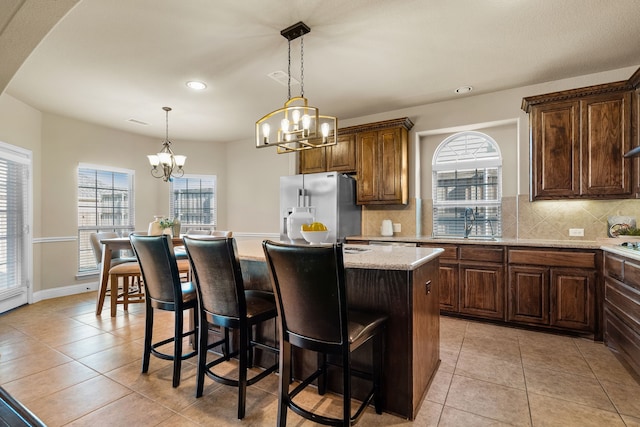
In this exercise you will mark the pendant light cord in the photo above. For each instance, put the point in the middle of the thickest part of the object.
(301, 67)
(289, 71)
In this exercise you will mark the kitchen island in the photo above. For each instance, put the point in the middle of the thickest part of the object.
(399, 281)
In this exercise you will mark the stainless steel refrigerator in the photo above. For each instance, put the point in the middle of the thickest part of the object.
(331, 199)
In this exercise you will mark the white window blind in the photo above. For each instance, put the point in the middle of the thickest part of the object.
(467, 182)
(14, 178)
(105, 203)
(193, 201)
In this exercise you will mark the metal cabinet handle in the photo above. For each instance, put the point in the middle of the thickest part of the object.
(428, 287)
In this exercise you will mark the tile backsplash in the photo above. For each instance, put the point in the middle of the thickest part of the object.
(520, 218)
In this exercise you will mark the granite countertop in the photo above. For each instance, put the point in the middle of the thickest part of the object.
(360, 256)
(579, 244)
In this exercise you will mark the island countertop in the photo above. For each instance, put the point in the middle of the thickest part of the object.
(360, 256)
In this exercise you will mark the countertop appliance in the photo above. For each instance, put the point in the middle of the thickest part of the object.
(331, 199)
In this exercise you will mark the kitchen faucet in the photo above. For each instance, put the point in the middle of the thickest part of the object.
(469, 220)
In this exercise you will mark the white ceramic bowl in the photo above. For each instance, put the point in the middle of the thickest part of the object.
(315, 237)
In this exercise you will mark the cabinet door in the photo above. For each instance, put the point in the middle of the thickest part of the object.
(605, 137)
(342, 156)
(313, 160)
(449, 291)
(528, 298)
(555, 150)
(482, 290)
(391, 155)
(367, 179)
(572, 299)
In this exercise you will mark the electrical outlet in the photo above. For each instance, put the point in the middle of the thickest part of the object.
(576, 232)
(397, 227)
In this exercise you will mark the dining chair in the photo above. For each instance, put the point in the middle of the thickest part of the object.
(122, 267)
(224, 302)
(311, 298)
(164, 291)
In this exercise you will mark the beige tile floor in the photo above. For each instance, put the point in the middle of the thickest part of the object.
(73, 368)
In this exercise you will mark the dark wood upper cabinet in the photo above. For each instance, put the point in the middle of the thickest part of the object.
(378, 154)
(578, 141)
(313, 160)
(335, 158)
(382, 162)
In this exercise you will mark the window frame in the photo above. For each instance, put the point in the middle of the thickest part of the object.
(84, 245)
(213, 209)
(487, 211)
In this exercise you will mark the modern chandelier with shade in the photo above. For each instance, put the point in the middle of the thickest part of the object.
(165, 164)
(297, 126)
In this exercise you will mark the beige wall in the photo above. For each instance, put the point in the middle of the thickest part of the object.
(59, 144)
(21, 125)
(248, 179)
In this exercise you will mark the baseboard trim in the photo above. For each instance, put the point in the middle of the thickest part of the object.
(64, 291)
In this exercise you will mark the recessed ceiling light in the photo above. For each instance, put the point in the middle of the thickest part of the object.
(464, 89)
(196, 85)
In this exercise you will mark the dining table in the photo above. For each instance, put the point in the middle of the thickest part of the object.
(109, 245)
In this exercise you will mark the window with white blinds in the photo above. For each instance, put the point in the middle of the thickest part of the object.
(467, 186)
(14, 222)
(105, 203)
(193, 201)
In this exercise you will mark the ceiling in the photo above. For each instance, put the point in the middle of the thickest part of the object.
(108, 62)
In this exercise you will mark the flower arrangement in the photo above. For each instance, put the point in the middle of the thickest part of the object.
(166, 223)
(627, 230)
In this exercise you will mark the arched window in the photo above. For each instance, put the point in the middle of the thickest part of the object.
(467, 186)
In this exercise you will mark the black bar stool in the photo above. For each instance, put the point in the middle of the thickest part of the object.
(164, 291)
(223, 301)
(309, 284)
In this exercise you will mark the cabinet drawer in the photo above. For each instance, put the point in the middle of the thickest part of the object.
(631, 275)
(553, 258)
(613, 266)
(624, 301)
(450, 251)
(482, 253)
(622, 339)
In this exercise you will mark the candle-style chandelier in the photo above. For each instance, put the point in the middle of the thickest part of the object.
(164, 163)
(297, 126)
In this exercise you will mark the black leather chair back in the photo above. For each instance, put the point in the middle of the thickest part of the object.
(216, 270)
(159, 268)
(310, 292)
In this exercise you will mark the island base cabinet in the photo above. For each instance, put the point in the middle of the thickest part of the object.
(412, 339)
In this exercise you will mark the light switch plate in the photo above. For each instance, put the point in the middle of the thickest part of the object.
(576, 232)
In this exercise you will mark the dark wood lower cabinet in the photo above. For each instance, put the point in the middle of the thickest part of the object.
(482, 290)
(528, 295)
(572, 299)
(546, 288)
(449, 287)
(558, 289)
(622, 308)
(562, 298)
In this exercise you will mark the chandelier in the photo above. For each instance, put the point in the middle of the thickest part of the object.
(297, 126)
(164, 162)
